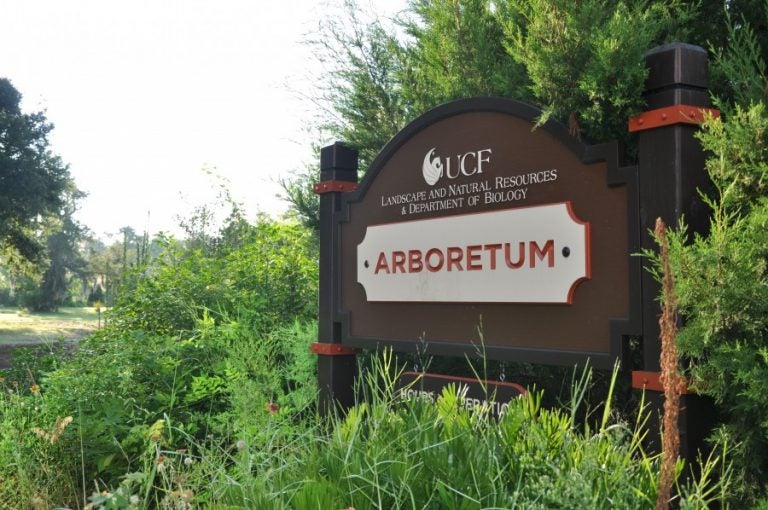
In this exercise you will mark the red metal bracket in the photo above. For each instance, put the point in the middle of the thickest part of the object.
(327, 349)
(670, 115)
(334, 186)
(650, 381)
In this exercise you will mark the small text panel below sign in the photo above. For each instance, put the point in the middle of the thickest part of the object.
(492, 397)
(536, 254)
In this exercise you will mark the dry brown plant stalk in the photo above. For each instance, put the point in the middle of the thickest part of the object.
(671, 379)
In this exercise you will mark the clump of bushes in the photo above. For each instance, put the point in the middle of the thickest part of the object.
(121, 392)
(202, 338)
(264, 274)
(201, 391)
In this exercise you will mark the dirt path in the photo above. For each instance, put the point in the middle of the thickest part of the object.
(6, 349)
(22, 329)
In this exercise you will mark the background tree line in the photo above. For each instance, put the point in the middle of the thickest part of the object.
(38, 235)
(47, 258)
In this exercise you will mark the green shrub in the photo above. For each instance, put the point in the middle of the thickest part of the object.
(722, 284)
(268, 277)
(723, 292)
(585, 60)
(721, 276)
(120, 388)
(158, 422)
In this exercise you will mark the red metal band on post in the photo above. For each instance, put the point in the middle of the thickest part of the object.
(334, 186)
(650, 381)
(333, 349)
(670, 115)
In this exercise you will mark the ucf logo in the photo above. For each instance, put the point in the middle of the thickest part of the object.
(470, 163)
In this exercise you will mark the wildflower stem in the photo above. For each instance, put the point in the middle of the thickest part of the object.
(671, 379)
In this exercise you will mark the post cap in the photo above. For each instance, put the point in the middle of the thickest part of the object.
(338, 162)
(676, 64)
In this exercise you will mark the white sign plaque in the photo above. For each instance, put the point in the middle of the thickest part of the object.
(536, 254)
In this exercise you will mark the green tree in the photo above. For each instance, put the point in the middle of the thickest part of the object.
(107, 266)
(456, 49)
(37, 200)
(585, 59)
(361, 95)
(736, 34)
(64, 264)
(298, 191)
(377, 82)
(34, 183)
(266, 275)
(60, 266)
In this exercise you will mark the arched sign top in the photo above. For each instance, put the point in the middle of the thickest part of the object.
(518, 109)
(470, 215)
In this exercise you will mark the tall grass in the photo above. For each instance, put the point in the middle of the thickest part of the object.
(271, 451)
(389, 454)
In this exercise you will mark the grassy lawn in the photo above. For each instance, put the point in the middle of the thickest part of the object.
(21, 327)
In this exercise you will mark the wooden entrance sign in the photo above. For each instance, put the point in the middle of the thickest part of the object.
(472, 226)
(473, 231)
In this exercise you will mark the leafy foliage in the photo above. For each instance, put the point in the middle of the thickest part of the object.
(582, 63)
(456, 49)
(205, 338)
(38, 235)
(724, 292)
(388, 453)
(739, 42)
(362, 97)
(739, 166)
(61, 265)
(298, 190)
(128, 393)
(723, 287)
(585, 61)
(218, 409)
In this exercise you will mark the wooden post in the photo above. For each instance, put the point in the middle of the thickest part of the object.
(671, 174)
(336, 367)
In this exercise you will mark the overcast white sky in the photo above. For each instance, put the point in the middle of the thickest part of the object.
(145, 93)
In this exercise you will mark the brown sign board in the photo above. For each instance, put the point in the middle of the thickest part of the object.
(474, 231)
(492, 397)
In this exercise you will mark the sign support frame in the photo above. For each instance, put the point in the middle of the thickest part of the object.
(671, 176)
(336, 363)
